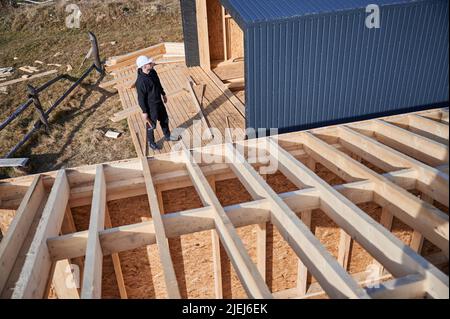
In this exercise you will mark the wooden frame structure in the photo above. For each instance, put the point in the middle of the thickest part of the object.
(412, 150)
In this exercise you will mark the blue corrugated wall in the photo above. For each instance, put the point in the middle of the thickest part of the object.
(329, 68)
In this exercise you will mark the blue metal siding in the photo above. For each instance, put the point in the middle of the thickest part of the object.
(321, 69)
(249, 12)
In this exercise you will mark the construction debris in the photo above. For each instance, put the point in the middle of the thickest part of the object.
(113, 134)
(15, 58)
(113, 42)
(4, 72)
(27, 77)
(69, 68)
(3, 90)
(57, 54)
(54, 64)
(38, 62)
(29, 69)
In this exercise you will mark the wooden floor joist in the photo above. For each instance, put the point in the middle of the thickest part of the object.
(412, 184)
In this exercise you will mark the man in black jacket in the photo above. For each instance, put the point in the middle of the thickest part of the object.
(150, 97)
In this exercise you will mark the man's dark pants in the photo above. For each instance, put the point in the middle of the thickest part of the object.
(163, 121)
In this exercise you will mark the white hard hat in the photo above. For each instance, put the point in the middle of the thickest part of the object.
(143, 60)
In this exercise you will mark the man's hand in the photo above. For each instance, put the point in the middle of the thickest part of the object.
(148, 120)
(165, 98)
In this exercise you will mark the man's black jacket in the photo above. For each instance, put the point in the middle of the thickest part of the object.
(149, 91)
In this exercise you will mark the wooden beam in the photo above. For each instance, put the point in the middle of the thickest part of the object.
(116, 262)
(302, 272)
(217, 260)
(170, 278)
(64, 279)
(331, 276)
(425, 150)
(345, 242)
(133, 236)
(421, 216)
(203, 38)
(36, 269)
(123, 115)
(18, 230)
(399, 259)
(430, 180)
(93, 265)
(432, 127)
(247, 272)
(2, 84)
(408, 287)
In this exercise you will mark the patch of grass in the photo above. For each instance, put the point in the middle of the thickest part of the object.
(38, 33)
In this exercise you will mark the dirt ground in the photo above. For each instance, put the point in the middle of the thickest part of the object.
(76, 136)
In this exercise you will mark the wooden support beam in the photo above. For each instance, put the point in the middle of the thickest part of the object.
(345, 242)
(302, 272)
(15, 236)
(247, 272)
(430, 180)
(123, 115)
(432, 127)
(423, 149)
(35, 273)
(408, 287)
(170, 278)
(203, 38)
(399, 259)
(93, 265)
(217, 260)
(64, 280)
(116, 262)
(331, 276)
(133, 236)
(421, 216)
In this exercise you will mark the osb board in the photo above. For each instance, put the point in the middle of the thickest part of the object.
(192, 254)
(235, 39)
(215, 29)
(6, 217)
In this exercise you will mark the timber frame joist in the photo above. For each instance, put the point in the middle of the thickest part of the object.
(411, 150)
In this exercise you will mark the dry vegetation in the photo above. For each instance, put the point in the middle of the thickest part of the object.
(32, 33)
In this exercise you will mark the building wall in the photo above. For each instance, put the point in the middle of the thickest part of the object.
(323, 69)
(188, 13)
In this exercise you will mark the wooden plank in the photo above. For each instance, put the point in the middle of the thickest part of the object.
(116, 261)
(244, 214)
(217, 260)
(248, 274)
(170, 278)
(432, 127)
(408, 287)
(13, 162)
(430, 180)
(331, 276)
(302, 272)
(2, 84)
(151, 51)
(233, 99)
(93, 264)
(18, 230)
(421, 216)
(345, 242)
(417, 146)
(202, 30)
(64, 280)
(36, 270)
(399, 259)
(122, 115)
